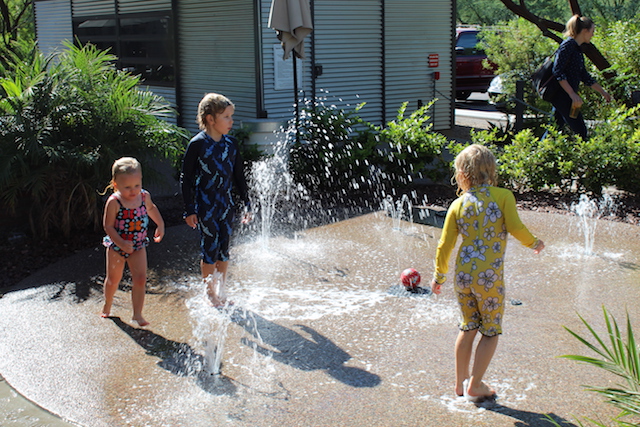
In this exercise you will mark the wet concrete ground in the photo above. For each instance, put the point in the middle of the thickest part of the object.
(320, 334)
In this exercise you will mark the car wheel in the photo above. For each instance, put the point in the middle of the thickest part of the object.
(463, 95)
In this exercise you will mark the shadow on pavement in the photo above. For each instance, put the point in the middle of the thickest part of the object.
(307, 354)
(179, 359)
(528, 419)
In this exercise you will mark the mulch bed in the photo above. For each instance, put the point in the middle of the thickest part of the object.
(21, 255)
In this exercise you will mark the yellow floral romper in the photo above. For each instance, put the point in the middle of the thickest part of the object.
(484, 216)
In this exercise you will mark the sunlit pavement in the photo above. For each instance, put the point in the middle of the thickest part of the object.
(321, 333)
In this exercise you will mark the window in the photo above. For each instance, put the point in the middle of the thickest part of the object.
(467, 43)
(143, 42)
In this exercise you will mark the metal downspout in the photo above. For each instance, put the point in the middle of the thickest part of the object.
(176, 59)
(261, 113)
(313, 55)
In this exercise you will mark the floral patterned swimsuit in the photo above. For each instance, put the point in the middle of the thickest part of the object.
(131, 225)
(483, 216)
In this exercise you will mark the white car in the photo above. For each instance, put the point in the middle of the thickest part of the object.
(495, 91)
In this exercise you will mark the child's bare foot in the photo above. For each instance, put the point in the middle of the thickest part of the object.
(460, 388)
(216, 302)
(106, 312)
(140, 321)
(480, 393)
(212, 299)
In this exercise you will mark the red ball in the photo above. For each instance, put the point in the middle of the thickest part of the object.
(410, 278)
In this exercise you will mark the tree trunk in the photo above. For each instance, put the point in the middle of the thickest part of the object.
(546, 27)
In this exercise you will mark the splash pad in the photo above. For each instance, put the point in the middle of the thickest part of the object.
(319, 334)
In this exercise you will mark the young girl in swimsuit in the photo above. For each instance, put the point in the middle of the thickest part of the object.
(484, 215)
(126, 219)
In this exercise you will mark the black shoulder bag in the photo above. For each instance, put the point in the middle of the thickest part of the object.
(544, 83)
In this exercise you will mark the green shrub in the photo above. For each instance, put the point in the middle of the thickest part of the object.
(411, 145)
(62, 124)
(338, 151)
(615, 150)
(533, 163)
(334, 151)
(250, 152)
(566, 163)
(519, 54)
(620, 41)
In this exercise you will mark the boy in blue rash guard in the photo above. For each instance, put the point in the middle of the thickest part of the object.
(212, 165)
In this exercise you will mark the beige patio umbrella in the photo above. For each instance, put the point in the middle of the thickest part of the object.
(292, 21)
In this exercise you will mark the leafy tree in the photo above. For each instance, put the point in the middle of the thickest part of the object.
(549, 17)
(493, 12)
(517, 56)
(481, 12)
(621, 41)
(553, 29)
(16, 24)
(605, 11)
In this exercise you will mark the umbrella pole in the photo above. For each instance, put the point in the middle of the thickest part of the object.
(295, 92)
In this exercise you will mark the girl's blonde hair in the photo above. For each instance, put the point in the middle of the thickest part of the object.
(212, 103)
(577, 23)
(475, 165)
(124, 165)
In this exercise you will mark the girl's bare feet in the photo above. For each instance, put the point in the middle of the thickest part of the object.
(140, 321)
(479, 393)
(106, 312)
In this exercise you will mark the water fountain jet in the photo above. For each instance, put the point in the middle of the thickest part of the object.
(589, 211)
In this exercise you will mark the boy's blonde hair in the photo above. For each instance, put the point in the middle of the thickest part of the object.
(212, 103)
(577, 23)
(124, 165)
(475, 165)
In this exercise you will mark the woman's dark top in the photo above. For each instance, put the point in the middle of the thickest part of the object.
(569, 65)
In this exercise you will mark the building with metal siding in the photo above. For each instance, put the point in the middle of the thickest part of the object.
(373, 51)
(216, 54)
(348, 45)
(414, 30)
(53, 24)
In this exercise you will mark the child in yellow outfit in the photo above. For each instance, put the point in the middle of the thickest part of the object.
(483, 215)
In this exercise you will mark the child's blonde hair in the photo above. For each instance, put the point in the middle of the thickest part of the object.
(577, 23)
(212, 103)
(124, 165)
(475, 165)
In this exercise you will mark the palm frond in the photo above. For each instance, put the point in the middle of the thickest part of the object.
(619, 358)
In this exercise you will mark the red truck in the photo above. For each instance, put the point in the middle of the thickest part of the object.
(471, 76)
